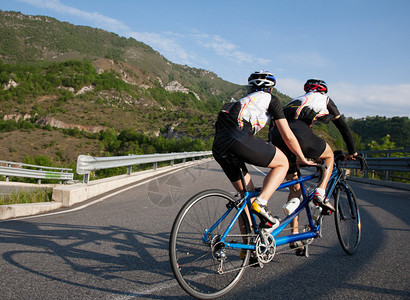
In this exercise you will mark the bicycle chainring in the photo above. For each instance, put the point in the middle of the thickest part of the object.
(265, 247)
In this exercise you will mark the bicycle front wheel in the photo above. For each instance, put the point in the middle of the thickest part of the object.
(203, 266)
(347, 218)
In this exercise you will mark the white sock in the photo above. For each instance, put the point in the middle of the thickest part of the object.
(261, 201)
(321, 192)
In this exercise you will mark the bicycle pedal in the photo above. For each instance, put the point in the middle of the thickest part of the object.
(300, 252)
(307, 251)
(296, 245)
(265, 224)
(326, 212)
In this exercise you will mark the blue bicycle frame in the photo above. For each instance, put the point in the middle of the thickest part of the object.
(246, 201)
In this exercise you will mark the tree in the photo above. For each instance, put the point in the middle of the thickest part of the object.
(386, 144)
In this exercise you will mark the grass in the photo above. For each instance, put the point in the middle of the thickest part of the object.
(27, 196)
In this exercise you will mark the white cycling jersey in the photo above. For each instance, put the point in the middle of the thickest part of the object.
(257, 109)
(311, 107)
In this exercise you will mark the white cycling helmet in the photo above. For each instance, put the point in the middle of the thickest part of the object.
(261, 80)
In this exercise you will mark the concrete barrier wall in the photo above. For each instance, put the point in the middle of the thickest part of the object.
(68, 195)
(26, 209)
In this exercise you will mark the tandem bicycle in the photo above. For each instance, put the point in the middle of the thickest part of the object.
(213, 240)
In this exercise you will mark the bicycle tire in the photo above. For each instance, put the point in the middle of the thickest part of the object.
(347, 218)
(194, 262)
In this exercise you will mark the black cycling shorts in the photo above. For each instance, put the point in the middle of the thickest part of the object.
(233, 147)
(312, 145)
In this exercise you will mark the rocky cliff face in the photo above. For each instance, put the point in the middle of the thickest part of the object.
(53, 122)
(58, 124)
(175, 86)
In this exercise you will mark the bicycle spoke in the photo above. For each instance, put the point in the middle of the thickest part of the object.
(207, 269)
(347, 219)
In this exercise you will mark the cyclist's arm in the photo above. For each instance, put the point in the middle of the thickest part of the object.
(342, 127)
(346, 134)
(291, 141)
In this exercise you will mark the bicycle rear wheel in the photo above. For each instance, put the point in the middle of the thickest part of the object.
(204, 267)
(347, 218)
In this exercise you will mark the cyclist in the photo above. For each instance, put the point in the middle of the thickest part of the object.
(301, 113)
(235, 143)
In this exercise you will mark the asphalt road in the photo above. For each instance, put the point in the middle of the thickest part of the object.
(116, 247)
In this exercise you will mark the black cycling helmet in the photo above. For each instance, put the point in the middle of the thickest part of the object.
(261, 81)
(315, 85)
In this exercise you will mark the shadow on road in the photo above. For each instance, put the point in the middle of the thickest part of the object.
(102, 254)
(329, 272)
(116, 260)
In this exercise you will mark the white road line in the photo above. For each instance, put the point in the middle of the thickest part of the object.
(263, 173)
(144, 292)
(260, 171)
(95, 201)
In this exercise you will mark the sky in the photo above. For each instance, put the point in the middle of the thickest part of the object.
(361, 48)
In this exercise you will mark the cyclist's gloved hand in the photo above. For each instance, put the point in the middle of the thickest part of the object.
(349, 156)
(302, 161)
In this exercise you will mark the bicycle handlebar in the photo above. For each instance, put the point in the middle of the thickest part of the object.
(340, 156)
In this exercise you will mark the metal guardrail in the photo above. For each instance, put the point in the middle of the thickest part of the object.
(387, 152)
(385, 164)
(86, 164)
(15, 169)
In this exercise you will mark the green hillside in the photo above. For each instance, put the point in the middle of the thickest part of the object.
(69, 90)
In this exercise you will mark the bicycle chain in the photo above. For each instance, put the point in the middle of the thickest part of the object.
(280, 248)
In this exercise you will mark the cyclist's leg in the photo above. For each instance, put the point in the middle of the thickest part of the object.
(316, 148)
(279, 167)
(294, 191)
(320, 194)
(256, 151)
(328, 157)
(239, 187)
(248, 181)
(233, 166)
(232, 170)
